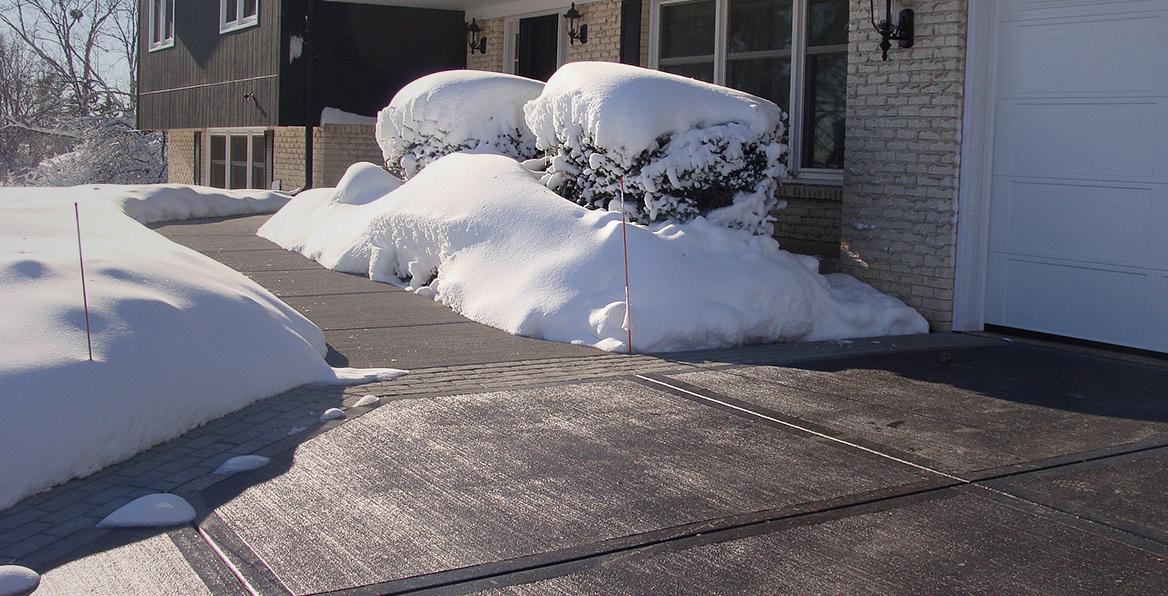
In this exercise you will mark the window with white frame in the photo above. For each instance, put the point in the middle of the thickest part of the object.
(161, 24)
(237, 160)
(238, 14)
(792, 52)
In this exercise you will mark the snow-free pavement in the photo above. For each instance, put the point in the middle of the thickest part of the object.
(943, 463)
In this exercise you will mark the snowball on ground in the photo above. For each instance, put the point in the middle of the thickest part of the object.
(151, 511)
(456, 110)
(683, 147)
(178, 338)
(241, 463)
(15, 579)
(510, 253)
(332, 414)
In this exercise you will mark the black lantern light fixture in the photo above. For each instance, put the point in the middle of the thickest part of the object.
(474, 38)
(902, 32)
(576, 31)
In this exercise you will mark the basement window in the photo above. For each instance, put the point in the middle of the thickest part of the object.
(238, 14)
(237, 161)
(161, 24)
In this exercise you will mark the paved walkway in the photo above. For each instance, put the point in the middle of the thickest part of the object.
(926, 463)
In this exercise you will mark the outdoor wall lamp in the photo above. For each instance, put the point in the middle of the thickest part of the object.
(475, 39)
(902, 33)
(576, 31)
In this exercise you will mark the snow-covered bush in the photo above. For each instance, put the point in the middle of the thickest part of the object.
(683, 147)
(452, 111)
(108, 151)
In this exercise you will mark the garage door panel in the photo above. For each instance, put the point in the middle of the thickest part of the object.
(1096, 304)
(1086, 140)
(1032, 9)
(1088, 223)
(1049, 56)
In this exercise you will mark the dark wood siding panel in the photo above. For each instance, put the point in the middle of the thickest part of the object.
(366, 53)
(203, 56)
(210, 106)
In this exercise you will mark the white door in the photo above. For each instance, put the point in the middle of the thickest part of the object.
(1078, 241)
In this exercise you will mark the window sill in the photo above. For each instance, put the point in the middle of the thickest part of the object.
(161, 46)
(232, 27)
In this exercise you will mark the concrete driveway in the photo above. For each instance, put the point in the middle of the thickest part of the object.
(943, 463)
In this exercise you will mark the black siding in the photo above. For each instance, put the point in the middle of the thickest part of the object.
(201, 81)
(364, 54)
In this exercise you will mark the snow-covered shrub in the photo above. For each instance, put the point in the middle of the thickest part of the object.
(683, 147)
(453, 111)
(108, 151)
(363, 183)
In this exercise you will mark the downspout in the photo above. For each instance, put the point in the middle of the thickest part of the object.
(308, 95)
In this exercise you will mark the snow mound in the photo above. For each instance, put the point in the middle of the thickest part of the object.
(178, 338)
(363, 183)
(332, 414)
(480, 234)
(456, 110)
(16, 580)
(682, 147)
(241, 463)
(366, 400)
(151, 203)
(151, 511)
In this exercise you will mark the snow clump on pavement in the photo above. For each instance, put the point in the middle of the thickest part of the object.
(16, 580)
(241, 463)
(684, 148)
(159, 510)
(480, 234)
(178, 338)
(456, 110)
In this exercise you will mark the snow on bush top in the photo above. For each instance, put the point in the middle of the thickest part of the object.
(482, 235)
(623, 107)
(456, 110)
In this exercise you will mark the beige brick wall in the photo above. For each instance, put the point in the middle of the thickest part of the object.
(603, 20)
(812, 214)
(180, 156)
(493, 59)
(899, 207)
(335, 147)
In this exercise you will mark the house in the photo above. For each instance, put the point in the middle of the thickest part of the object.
(1009, 169)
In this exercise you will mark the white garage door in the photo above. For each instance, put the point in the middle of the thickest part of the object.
(1079, 206)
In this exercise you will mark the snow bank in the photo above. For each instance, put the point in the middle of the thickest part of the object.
(153, 203)
(178, 338)
(457, 110)
(684, 148)
(480, 234)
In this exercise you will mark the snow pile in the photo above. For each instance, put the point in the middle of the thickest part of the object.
(151, 511)
(153, 203)
(480, 234)
(684, 148)
(178, 338)
(339, 116)
(452, 111)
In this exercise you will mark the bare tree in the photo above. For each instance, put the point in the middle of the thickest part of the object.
(30, 109)
(72, 37)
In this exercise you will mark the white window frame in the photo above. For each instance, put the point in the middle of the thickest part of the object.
(799, 53)
(511, 34)
(237, 23)
(158, 23)
(247, 132)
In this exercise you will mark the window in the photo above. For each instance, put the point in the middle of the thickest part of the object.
(792, 52)
(238, 14)
(161, 24)
(237, 160)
